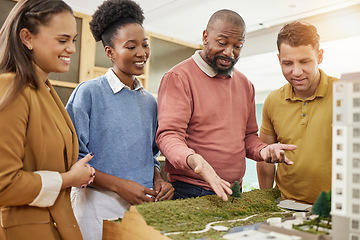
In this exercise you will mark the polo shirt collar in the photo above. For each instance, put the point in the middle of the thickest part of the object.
(116, 85)
(204, 66)
(319, 92)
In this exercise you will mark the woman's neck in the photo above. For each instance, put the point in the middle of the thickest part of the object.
(127, 80)
(43, 76)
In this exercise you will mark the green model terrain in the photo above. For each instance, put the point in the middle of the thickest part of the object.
(186, 215)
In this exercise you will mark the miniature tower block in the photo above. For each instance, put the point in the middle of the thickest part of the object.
(345, 194)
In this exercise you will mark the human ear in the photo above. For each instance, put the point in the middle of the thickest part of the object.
(26, 38)
(205, 38)
(109, 53)
(320, 56)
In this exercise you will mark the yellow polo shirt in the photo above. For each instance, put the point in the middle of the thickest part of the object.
(307, 124)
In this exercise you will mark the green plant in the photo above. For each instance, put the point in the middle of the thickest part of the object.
(235, 188)
(321, 207)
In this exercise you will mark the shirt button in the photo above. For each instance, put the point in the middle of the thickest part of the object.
(304, 103)
(304, 115)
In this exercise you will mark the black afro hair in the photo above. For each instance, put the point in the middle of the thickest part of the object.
(112, 11)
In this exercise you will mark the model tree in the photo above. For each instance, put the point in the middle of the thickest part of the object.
(328, 195)
(235, 188)
(321, 207)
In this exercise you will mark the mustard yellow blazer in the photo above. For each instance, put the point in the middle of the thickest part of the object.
(36, 134)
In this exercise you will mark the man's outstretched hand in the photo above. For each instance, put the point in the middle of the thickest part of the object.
(201, 167)
(275, 153)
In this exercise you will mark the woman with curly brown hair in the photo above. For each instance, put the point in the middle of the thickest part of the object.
(116, 119)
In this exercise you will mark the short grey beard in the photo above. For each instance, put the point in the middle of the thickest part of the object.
(219, 71)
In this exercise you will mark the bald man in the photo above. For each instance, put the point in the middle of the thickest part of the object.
(206, 115)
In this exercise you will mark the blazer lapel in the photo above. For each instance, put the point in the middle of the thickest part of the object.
(61, 116)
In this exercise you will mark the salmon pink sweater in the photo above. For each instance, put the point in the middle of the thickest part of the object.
(208, 115)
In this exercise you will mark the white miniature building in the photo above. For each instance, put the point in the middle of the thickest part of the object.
(345, 193)
(259, 235)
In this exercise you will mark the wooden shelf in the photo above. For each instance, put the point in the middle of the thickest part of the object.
(63, 84)
(90, 60)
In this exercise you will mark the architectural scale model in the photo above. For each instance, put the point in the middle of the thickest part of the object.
(209, 216)
(345, 194)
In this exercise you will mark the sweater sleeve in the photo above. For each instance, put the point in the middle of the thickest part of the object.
(156, 153)
(78, 107)
(174, 113)
(253, 144)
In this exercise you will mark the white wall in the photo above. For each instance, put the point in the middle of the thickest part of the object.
(263, 70)
(340, 38)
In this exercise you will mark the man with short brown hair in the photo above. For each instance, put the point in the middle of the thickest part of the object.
(299, 113)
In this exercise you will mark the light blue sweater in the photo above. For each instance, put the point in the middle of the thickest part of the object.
(118, 128)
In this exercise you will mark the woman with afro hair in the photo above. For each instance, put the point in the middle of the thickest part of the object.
(116, 119)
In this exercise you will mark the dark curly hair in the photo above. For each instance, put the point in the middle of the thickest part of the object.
(298, 33)
(111, 15)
